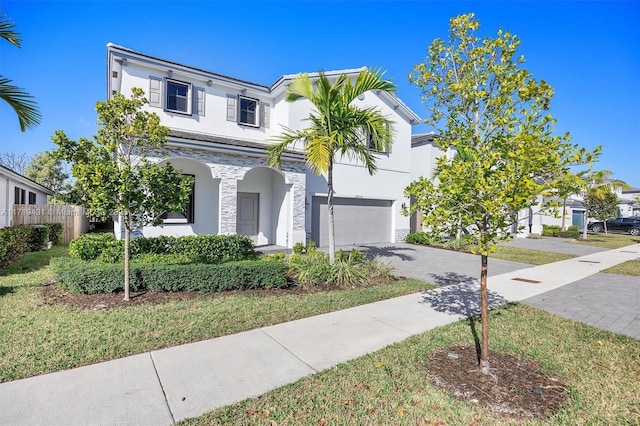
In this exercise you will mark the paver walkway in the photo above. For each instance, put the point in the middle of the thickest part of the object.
(161, 387)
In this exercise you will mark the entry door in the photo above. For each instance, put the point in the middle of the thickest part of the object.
(577, 218)
(247, 214)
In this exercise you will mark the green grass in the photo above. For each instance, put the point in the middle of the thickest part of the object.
(611, 241)
(391, 386)
(630, 267)
(532, 257)
(36, 338)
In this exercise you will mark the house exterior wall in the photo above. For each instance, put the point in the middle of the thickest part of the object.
(9, 180)
(231, 157)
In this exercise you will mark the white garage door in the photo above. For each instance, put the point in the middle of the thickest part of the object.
(357, 221)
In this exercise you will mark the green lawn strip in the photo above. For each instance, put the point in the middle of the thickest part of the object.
(611, 241)
(391, 386)
(532, 257)
(630, 267)
(37, 339)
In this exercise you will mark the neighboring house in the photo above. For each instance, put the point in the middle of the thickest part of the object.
(17, 189)
(220, 128)
(628, 205)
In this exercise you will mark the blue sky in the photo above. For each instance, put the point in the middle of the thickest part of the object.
(588, 51)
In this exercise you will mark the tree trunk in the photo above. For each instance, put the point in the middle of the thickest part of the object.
(332, 241)
(564, 212)
(584, 226)
(484, 313)
(127, 239)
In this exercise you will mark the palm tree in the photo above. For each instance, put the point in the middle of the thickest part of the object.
(338, 127)
(597, 184)
(21, 102)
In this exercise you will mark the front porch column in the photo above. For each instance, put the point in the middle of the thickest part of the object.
(228, 205)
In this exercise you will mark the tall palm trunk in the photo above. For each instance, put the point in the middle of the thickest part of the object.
(332, 240)
(127, 239)
(484, 313)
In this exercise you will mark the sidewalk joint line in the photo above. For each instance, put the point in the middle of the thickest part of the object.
(288, 350)
(164, 394)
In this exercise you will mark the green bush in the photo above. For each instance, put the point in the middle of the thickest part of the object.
(56, 233)
(423, 238)
(550, 230)
(169, 259)
(200, 249)
(350, 269)
(13, 243)
(568, 234)
(79, 276)
(89, 246)
(573, 228)
(273, 257)
(38, 237)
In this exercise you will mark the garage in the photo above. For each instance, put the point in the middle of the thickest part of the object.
(357, 221)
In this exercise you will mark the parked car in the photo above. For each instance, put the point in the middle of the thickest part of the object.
(629, 225)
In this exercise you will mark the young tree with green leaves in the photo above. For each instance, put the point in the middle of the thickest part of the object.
(48, 171)
(22, 103)
(115, 173)
(490, 110)
(603, 206)
(595, 185)
(338, 127)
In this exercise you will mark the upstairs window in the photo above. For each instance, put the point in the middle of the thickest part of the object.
(178, 97)
(248, 112)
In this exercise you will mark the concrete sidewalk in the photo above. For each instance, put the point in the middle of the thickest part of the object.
(161, 387)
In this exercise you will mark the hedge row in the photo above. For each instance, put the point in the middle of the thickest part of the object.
(556, 231)
(200, 249)
(78, 276)
(22, 239)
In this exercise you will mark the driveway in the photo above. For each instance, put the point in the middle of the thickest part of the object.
(607, 301)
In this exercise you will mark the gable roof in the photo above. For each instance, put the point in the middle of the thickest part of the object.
(123, 55)
(5, 171)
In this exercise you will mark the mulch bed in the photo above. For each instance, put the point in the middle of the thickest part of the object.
(53, 295)
(516, 387)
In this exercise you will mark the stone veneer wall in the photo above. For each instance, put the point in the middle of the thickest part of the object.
(230, 168)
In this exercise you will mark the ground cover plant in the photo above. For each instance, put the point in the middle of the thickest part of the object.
(45, 329)
(397, 385)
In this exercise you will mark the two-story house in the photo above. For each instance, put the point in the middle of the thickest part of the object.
(220, 129)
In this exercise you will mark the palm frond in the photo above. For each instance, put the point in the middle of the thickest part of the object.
(7, 31)
(21, 102)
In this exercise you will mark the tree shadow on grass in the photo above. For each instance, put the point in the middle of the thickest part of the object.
(460, 295)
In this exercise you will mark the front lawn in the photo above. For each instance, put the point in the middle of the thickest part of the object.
(37, 338)
(393, 386)
(611, 241)
(630, 267)
(532, 257)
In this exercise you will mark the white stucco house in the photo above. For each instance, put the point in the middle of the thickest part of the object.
(17, 189)
(220, 128)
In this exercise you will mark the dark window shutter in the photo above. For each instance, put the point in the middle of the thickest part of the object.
(232, 107)
(155, 91)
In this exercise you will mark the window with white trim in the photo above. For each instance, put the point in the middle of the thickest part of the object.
(178, 98)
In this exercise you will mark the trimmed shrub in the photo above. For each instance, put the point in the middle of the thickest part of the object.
(90, 246)
(56, 233)
(78, 276)
(423, 238)
(200, 249)
(38, 237)
(13, 243)
(573, 228)
(550, 230)
(568, 234)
